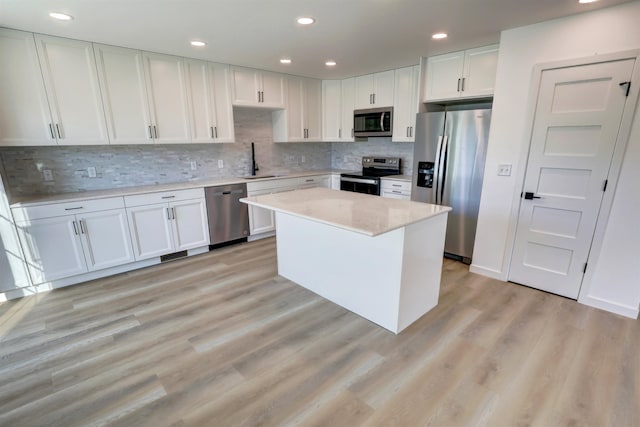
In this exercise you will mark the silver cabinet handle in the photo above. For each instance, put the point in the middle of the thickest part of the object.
(74, 209)
(463, 80)
(407, 132)
(458, 89)
(411, 132)
(374, 98)
(82, 229)
(309, 180)
(53, 136)
(169, 214)
(211, 129)
(215, 131)
(339, 133)
(351, 132)
(150, 133)
(58, 129)
(75, 228)
(155, 131)
(168, 197)
(173, 213)
(259, 96)
(370, 98)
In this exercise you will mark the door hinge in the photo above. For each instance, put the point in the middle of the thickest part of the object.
(628, 84)
(604, 187)
(584, 270)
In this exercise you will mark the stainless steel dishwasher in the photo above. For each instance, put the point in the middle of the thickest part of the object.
(228, 218)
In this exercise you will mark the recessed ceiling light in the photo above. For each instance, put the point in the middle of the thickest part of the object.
(285, 61)
(61, 16)
(197, 43)
(586, 1)
(306, 20)
(330, 63)
(439, 36)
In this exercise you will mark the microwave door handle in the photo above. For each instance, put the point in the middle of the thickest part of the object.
(382, 122)
(443, 159)
(436, 171)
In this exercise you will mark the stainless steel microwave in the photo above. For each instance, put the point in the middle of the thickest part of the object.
(373, 122)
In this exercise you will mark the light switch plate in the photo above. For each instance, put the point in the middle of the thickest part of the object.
(220, 164)
(91, 171)
(504, 169)
(303, 158)
(47, 174)
(194, 165)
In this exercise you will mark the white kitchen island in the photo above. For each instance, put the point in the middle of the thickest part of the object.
(379, 258)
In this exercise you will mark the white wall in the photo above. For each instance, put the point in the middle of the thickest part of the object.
(613, 283)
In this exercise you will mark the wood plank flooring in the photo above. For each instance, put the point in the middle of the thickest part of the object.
(221, 340)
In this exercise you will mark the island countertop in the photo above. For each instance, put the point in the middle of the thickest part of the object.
(360, 213)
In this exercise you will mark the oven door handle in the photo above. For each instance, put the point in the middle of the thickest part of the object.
(359, 180)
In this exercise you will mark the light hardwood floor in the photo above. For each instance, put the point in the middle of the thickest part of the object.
(221, 340)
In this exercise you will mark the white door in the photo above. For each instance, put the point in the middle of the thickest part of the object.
(167, 89)
(151, 232)
(295, 110)
(224, 130)
(121, 74)
(52, 248)
(201, 105)
(25, 118)
(479, 75)
(313, 109)
(383, 89)
(348, 105)
(189, 224)
(364, 92)
(405, 104)
(331, 110)
(246, 86)
(272, 90)
(444, 73)
(71, 79)
(105, 239)
(578, 114)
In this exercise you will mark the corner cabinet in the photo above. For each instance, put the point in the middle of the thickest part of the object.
(405, 104)
(301, 121)
(257, 88)
(167, 222)
(465, 74)
(374, 90)
(209, 102)
(68, 239)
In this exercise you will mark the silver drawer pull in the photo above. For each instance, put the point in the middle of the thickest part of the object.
(168, 197)
(74, 209)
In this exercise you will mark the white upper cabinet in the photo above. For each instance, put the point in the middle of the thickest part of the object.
(209, 102)
(405, 105)
(124, 92)
(466, 74)
(256, 88)
(338, 98)
(301, 121)
(71, 81)
(25, 118)
(167, 89)
(374, 90)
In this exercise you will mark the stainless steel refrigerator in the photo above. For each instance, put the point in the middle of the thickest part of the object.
(448, 164)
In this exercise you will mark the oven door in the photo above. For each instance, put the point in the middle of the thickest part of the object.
(360, 185)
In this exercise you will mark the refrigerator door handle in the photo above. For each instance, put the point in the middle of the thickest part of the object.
(442, 161)
(436, 171)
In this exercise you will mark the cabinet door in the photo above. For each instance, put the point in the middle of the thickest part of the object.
(124, 92)
(364, 92)
(25, 118)
(273, 90)
(479, 74)
(190, 224)
(295, 109)
(71, 81)
(394, 194)
(331, 110)
(261, 220)
(405, 104)
(167, 89)
(105, 238)
(245, 86)
(151, 232)
(221, 83)
(52, 248)
(313, 109)
(201, 104)
(383, 89)
(348, 105)
(443, 76)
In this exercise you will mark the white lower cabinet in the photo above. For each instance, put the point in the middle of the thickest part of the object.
(261, 220)
(61, 246)
(395, 189)
(167, 222)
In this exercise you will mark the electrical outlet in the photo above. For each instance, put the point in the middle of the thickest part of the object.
(91, 170)
(504, 169)
(48, 175)
(194, 165)
(345, 159)
(303, 158)
(220, 164)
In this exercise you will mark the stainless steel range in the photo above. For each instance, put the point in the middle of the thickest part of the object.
(373, 168)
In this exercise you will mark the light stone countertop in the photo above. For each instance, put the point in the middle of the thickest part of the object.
(405, 178)
(360, 213)
(128, 191)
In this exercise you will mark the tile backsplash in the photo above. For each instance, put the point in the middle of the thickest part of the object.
(120, 166)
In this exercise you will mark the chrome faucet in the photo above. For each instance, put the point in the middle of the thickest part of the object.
(254, 165)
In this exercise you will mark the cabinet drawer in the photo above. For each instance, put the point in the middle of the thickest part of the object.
(163, 197)
(390, 185)
(67, 208)
(271, 184)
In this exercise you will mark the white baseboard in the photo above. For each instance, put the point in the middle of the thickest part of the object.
(488, 272)
(610, 306)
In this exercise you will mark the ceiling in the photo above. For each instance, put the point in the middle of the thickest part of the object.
(362, 36)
